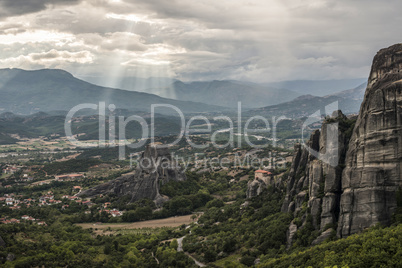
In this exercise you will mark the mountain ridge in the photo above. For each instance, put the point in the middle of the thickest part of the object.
(26, 92)
(349, 102)
(215, 92)
(228, 93)
(319, 88)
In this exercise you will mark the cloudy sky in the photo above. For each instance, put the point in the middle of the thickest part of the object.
(254, 40)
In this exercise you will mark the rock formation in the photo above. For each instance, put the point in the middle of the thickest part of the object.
(360, 189)
(314, 186)
(373, 171)
(155, 168)
(256, 186)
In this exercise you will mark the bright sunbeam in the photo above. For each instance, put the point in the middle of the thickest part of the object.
(148, 71)
(116, 71)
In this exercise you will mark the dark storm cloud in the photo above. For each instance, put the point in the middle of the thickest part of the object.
(11, 8)
(256, 40)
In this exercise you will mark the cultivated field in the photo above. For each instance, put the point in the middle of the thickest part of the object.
(168, 222)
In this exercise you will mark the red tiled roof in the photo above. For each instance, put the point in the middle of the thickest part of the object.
(263, 171)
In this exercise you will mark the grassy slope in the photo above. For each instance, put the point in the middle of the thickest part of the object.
(376, 247)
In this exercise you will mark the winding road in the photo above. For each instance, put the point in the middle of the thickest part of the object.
(180, 248)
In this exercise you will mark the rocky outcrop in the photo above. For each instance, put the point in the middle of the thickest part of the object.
(155, 168)
(324, 236)
(373, 171)
(256, 186)
(290, 234)
(314, 185)
(353, 185)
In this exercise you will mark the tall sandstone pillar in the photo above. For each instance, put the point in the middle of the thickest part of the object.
(373, 169)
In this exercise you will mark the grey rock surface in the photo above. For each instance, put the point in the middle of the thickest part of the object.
(291, 233)
(156, 167)
(255, 187)
(360, 190)
(324, 236)
(373, 162)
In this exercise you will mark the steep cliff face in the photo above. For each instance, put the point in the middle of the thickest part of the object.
(360, 190)
(314, 186)
(155, 167)
(373, 170)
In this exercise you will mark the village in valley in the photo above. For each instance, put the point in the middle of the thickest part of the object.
(22, 175)
(42, 185)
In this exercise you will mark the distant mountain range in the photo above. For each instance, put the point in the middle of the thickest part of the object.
(130, 83)
(45, 96)
(27, 92)
(349, 102)
(221, 93)
(49, 90)
(227, 93)
(318, 87)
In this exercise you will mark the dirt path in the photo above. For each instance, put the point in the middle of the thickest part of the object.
(180, 248)
(168, 222)
(180, 243)
(157, 261)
